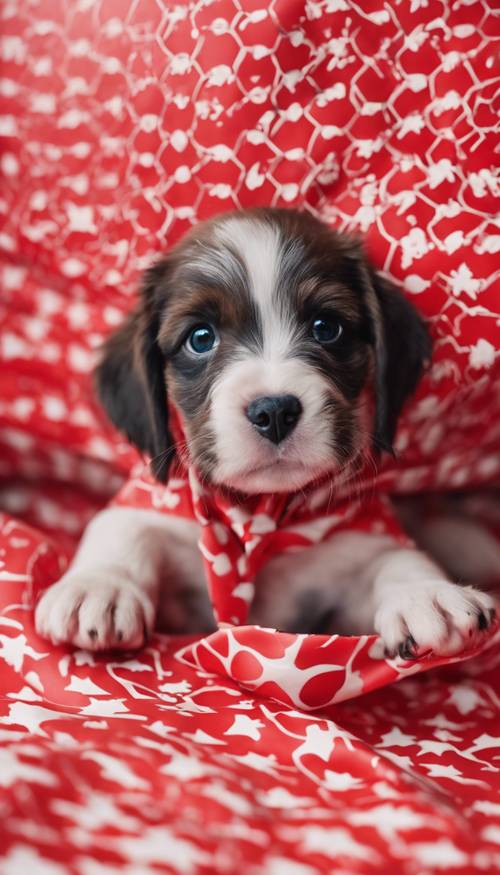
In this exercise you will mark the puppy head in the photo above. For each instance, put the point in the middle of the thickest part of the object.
(271, 334)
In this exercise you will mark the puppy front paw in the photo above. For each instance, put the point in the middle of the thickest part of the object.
(98, 610)
(433, 615)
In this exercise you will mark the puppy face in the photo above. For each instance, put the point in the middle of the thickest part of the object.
(270, 334)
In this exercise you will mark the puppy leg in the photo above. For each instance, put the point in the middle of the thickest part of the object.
(417, 609)
(323, 588)
(109, 596)
(361, 583)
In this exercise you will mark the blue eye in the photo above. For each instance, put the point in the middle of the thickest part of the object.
(326, 330)
(202, 339)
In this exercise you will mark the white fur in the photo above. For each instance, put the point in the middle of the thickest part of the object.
(246, 460)
(251, 463)
(373, 585)
(260, 247)
(110, 595)
(134, 567)
(132, 564)
(411, 596)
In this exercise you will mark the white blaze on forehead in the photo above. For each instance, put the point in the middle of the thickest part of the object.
(260, 247)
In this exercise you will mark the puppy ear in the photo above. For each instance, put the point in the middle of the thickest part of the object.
(130, 380)
(402, 350)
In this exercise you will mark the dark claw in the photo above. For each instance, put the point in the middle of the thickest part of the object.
(119, 635)
(408, 648)
(92, 633)
(482, 621)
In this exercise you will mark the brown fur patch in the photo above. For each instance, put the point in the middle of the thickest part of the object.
(201, 280)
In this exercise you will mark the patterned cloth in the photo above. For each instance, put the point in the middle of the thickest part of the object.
(122, 124)
(239, 534)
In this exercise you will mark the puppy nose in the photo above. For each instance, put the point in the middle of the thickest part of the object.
(274, 416)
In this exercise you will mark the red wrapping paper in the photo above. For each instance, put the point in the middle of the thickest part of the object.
(122, 125)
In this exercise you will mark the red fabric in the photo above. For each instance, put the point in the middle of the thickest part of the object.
(239, 534)
(123, 124)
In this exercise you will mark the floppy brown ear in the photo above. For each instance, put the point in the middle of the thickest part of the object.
(130, 379)
(402, 350)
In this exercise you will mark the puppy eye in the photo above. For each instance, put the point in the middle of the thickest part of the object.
(326, 330)
(202, 339)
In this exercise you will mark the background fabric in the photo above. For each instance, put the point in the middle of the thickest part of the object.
(122, 124)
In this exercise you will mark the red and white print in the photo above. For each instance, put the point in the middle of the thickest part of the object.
(123, 123)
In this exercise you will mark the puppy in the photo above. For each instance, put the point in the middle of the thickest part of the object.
(289, 360)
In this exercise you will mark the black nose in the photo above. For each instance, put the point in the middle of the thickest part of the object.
(275, 416)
